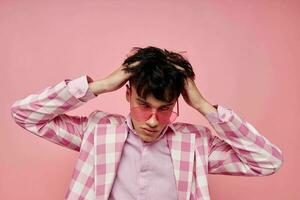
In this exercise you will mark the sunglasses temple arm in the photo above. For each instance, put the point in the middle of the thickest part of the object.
(177, 107)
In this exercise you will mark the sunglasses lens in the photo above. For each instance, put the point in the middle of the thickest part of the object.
(140, 114)
(164, 117)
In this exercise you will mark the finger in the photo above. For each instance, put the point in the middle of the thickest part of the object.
(178, 67)
(134, 64)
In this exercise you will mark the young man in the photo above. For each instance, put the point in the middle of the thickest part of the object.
(146, 155)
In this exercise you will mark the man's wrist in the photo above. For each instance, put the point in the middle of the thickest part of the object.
(205, 108)
(97, 87)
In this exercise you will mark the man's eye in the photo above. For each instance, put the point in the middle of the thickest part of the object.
(144, 105)
(165, 109)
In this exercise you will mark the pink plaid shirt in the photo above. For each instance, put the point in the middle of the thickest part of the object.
(100, 139)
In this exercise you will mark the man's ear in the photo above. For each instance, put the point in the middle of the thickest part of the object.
(127, 92)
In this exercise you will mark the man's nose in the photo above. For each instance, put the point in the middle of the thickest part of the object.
(152, 121)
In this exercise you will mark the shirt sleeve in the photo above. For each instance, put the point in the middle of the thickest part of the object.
(222, 115)
(44, 113)
(80, 88)
(239, 148)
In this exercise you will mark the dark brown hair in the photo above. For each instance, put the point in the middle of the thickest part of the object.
(156, 73)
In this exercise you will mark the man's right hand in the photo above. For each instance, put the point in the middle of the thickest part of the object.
(113, 81)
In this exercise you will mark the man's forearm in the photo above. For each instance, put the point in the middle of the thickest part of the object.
(97, 87)
(205, 107)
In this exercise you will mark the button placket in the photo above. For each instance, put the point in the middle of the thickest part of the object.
(144, 174)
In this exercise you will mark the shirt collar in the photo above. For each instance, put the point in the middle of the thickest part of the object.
(130, 126)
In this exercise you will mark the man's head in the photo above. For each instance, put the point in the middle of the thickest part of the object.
(155, 84)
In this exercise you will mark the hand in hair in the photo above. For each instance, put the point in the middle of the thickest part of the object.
(195, 99)
(113, 81)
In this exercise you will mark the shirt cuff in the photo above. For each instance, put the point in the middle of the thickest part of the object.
(79, 88)
(223, 114)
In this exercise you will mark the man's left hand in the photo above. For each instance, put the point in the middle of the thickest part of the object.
(195, 99)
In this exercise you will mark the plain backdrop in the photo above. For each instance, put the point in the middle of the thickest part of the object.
(245, 54)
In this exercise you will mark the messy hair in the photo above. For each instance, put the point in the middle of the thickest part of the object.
(156, 73)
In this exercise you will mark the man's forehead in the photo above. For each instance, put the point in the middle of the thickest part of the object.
(154, 102)
(150, 98)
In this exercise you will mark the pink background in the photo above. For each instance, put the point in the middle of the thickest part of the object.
(244, 54)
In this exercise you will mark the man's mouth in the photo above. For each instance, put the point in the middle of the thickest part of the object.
(149, 131)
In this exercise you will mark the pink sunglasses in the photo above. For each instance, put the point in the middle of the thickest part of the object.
(142, 114)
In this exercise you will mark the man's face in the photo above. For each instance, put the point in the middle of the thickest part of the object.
(148, 130)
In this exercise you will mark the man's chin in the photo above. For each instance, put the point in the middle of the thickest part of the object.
(147, 138)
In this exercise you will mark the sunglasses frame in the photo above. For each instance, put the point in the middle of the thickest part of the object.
(172, 112)
(176, 113)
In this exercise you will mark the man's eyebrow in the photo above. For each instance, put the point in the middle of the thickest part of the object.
(144, 101)
(141, 100)
(169, 104)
